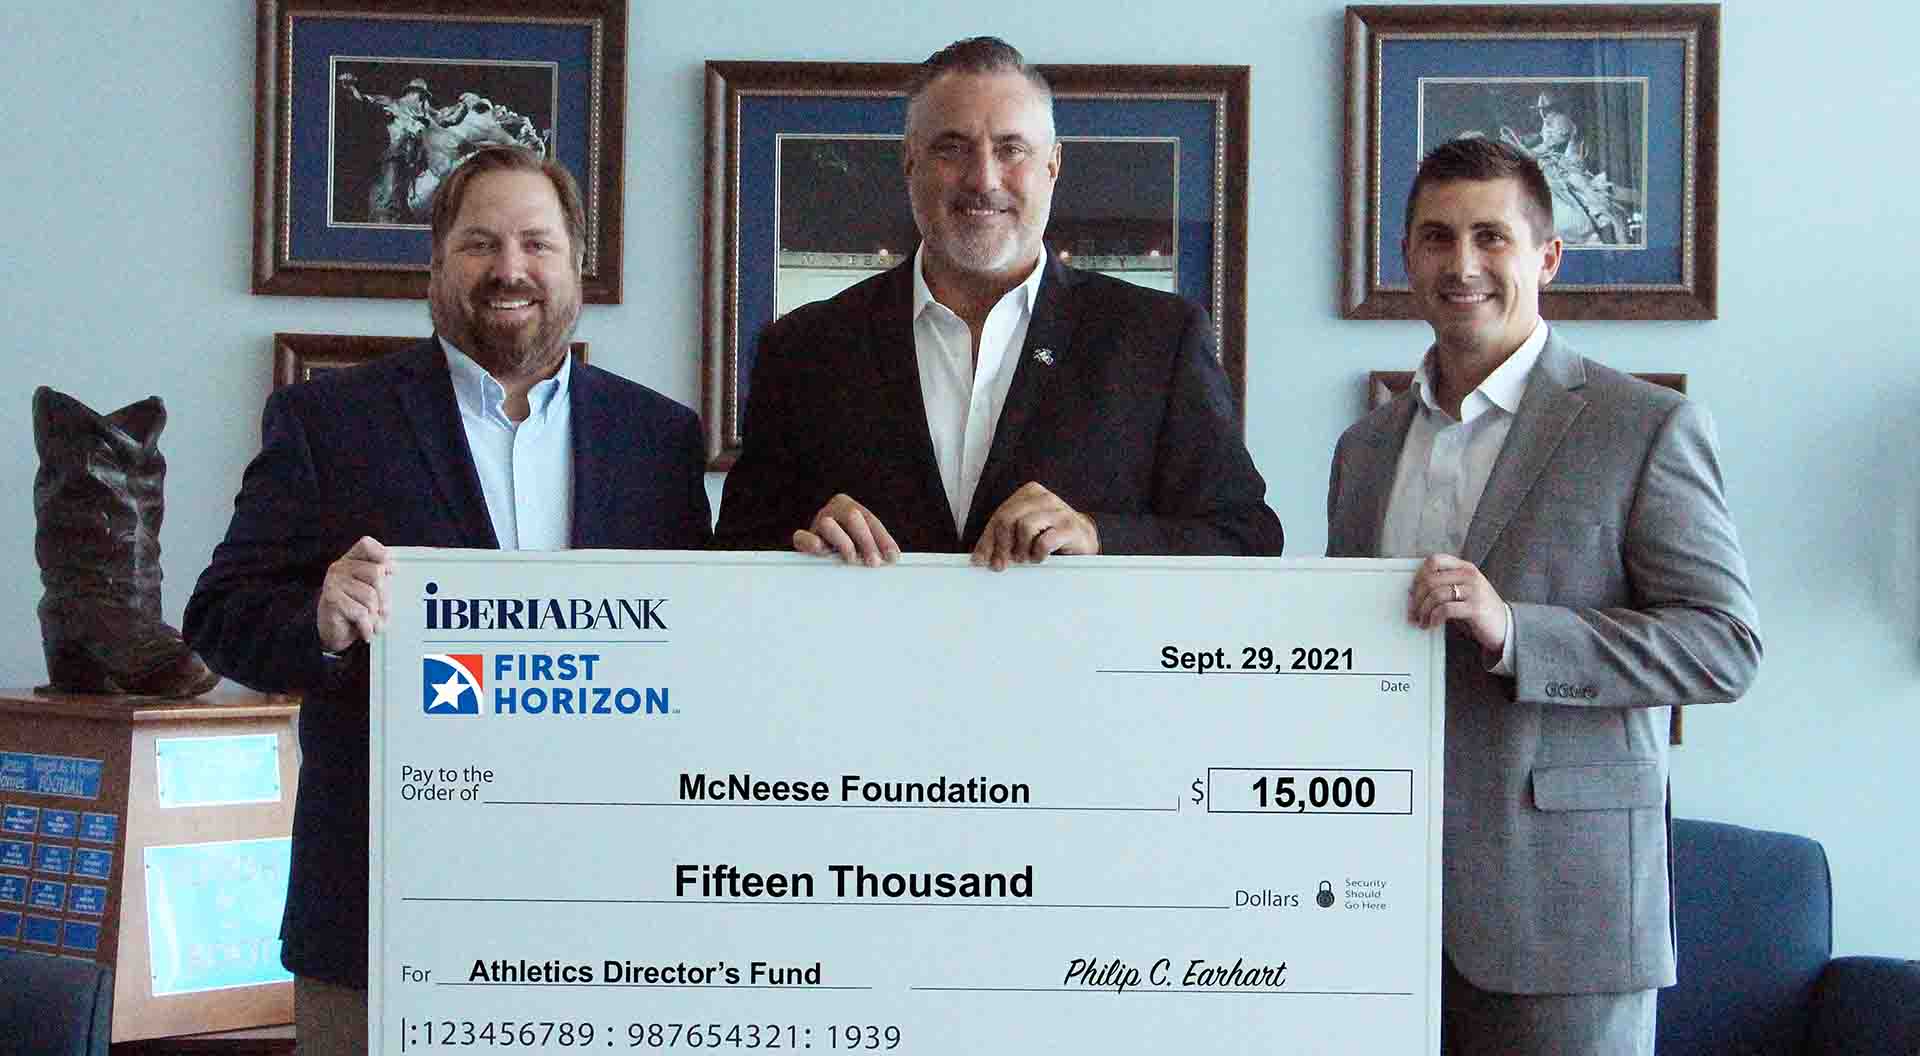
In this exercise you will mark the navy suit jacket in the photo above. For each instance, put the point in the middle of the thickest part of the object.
(379, 450)
(1127, 417)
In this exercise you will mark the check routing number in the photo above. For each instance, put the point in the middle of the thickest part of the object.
(640, 801)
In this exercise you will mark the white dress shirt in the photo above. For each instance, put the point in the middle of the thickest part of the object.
(525, 468)
(964, 400)
(1445, 462)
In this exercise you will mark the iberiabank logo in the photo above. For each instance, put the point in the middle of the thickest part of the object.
(451, 683)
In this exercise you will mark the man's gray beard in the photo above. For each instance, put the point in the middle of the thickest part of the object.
(977, 257)
(984, 254)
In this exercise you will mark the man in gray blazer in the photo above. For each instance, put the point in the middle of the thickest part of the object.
(1579, 549)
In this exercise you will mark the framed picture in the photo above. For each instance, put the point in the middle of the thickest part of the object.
(806, 196)
(1619, 104)
(363, 106)
(297, 357)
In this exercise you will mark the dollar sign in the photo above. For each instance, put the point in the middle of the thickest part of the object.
(1198, 795)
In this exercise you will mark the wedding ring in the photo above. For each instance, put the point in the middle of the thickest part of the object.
(1456, 592)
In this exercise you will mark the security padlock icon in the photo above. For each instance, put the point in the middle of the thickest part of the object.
(1325, 897)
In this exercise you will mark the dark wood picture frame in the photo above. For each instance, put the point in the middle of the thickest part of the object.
(296, 357)
(298, 247)
(732, 321)
(1673, 48)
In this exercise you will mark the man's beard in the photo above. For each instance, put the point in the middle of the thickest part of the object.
(506, 351)
(981, 249)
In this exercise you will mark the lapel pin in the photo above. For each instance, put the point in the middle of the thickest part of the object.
(1043, 356)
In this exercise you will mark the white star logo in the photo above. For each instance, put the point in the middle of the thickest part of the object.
(446, 695)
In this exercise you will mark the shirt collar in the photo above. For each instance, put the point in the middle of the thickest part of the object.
(1503, 388)
(479, 394)
(1029, 288)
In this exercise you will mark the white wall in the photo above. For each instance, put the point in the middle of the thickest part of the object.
(126, 210)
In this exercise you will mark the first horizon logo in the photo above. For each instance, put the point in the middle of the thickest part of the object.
(529, 684)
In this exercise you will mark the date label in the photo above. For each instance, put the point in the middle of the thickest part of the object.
(1298, 659)
(1174, 658)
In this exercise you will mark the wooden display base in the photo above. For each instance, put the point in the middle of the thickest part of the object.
(94, 761)
(258, 1041)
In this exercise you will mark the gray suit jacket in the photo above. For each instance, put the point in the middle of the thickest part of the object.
(1604, 526)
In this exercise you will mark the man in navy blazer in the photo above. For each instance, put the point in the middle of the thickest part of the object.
(487, 435)
(981, 396)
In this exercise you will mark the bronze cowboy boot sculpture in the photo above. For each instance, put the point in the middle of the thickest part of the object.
(97, 499)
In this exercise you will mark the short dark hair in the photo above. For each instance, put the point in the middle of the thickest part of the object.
(452, 192)
(974, 55)
(1479, 158)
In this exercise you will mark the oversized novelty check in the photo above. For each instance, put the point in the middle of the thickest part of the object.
(640, 802)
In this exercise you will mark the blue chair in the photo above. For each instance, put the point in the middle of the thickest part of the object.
(54, 1006)
(1753, 913)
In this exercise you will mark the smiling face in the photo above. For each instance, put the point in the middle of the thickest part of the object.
(506, 278)
(1477, 270)
(981, 162)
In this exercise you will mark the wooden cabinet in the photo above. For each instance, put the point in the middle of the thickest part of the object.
(143, 834)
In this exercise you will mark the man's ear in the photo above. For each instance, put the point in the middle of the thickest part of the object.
(1550, 256)
(1053, 163)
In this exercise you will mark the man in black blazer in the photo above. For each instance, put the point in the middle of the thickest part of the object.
(486, 436)
(982, 396)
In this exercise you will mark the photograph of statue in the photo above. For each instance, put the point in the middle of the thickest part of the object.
(842, 212)
(1588, 134)
(399, 126)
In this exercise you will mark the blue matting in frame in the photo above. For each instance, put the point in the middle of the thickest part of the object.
(1661, 60)
(318, 39)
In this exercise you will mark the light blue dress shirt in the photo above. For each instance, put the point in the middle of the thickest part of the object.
(525, 468)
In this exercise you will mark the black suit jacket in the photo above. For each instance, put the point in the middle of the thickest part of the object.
(379, 450)
(1127, 417)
